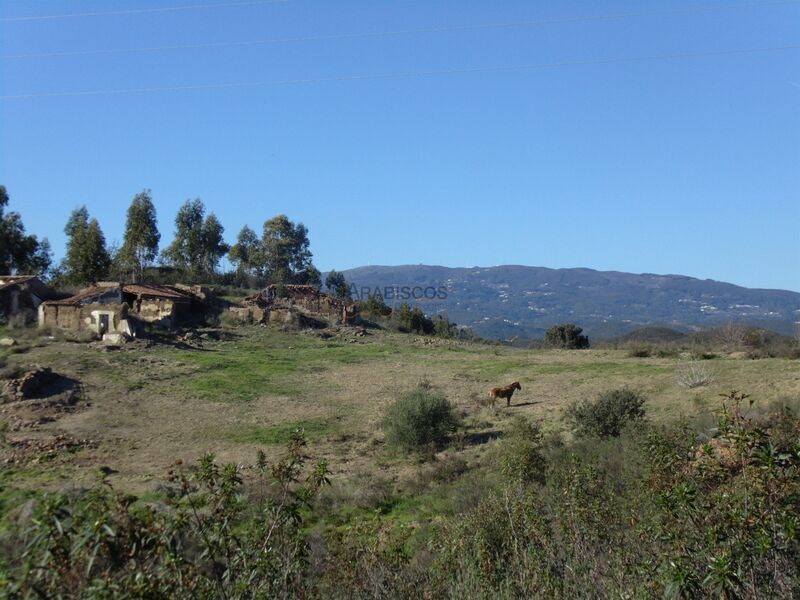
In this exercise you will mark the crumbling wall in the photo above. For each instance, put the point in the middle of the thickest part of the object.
(301, 298)
(60, 316)
(86, 317)
(156, 310)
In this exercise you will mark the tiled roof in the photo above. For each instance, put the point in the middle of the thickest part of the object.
(82, 296)
(154, 291)
(9, 280)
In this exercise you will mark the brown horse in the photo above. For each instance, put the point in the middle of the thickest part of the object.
(504, 392)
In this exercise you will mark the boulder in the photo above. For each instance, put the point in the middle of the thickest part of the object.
(114, 339)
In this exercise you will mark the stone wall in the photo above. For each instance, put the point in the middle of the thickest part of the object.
(92, 317)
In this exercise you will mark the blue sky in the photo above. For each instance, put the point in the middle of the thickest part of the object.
(483, 133)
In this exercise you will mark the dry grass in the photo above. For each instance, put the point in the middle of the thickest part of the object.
(147, 407)
(694, 374)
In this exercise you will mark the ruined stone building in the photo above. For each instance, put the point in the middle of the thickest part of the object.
(113, 307)
(98, 308)
(21, 295)
(291, 303)
(159, 304)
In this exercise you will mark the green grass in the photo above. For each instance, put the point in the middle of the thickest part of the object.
(268, 362)
(279, 433)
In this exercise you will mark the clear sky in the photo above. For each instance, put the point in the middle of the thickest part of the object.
(658, 137)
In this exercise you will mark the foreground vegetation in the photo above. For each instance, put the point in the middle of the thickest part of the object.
(311, 466)
(677, 510)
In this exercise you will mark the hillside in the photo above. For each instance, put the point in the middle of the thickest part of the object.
(514, 300)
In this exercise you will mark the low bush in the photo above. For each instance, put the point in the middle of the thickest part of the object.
(636, 350)
(608, 415)
(567, 336)
(694, 374)
(521, 458)
(419, 420)
(213, 539)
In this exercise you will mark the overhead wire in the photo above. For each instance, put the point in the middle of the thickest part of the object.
(395, 75)
(395, 33)
(139, 11)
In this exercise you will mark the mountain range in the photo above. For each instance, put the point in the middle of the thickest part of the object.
(518, 301)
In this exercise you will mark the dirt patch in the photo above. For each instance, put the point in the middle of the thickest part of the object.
(26, 452)
(35, 396)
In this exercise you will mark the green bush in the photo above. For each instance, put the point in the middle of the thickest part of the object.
(567, 336)
(214, 537)
(521, 458)
(608, 415)
(419, 420)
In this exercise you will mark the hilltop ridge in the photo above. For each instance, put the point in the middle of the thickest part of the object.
(516, 300)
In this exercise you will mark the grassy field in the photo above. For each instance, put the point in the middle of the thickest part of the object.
(246, 389)
(514, 503)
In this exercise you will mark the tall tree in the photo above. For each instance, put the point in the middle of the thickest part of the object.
(20, 252)
(246, 254)
(287, 258)
(198, 244)
(337, 284)
(185, 251)
(140, 244)
(87, 257)
(213, 245)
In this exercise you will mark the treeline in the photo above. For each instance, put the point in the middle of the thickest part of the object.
(407, 318)
(279, 255)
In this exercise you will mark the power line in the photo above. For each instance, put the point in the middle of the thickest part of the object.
(139, 11)
(398, 75)
(379, 34)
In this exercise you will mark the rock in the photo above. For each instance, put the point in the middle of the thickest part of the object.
(7, 341)
(114, 339)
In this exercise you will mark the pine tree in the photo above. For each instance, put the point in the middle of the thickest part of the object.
(140, 244)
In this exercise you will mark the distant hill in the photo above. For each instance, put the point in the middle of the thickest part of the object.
(517, 301)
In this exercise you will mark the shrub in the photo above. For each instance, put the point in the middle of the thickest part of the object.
(693, 375)
(567, 336)
(636, 350)
(521, 458)
(373, 306)
(217, 539)
(608, 415)
(413, 320)
(419, 419)
(443, 470)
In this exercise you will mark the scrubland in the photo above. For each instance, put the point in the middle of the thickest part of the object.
(698, 498)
